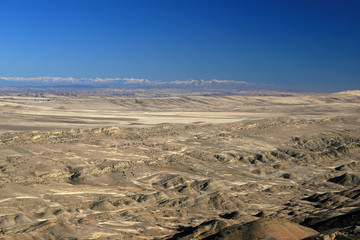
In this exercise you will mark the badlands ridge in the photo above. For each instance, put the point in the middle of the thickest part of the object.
(265, 166)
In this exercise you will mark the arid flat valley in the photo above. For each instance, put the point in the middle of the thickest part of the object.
(266, 165)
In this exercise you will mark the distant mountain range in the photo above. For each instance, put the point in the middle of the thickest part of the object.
(71, 82)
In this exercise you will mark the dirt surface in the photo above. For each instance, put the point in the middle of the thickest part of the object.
(49, 111)
(200, 167)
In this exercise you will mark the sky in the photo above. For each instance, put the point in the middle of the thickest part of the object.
(303, 45)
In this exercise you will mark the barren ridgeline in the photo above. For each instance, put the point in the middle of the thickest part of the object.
(99, 166)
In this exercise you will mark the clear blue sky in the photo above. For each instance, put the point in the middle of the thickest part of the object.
(304, 45)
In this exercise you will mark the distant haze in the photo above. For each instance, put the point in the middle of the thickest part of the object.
(121, 82)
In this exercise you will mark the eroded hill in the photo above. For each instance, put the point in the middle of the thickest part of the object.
(276, 177)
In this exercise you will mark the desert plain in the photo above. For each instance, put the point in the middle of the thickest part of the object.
(265, 165)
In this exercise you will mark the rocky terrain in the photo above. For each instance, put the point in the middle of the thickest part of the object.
(232, 167)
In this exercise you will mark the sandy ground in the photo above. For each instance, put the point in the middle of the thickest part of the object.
(105, 167)
(51, 111)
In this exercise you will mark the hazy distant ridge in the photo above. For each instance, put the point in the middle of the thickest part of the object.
(119, 82)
